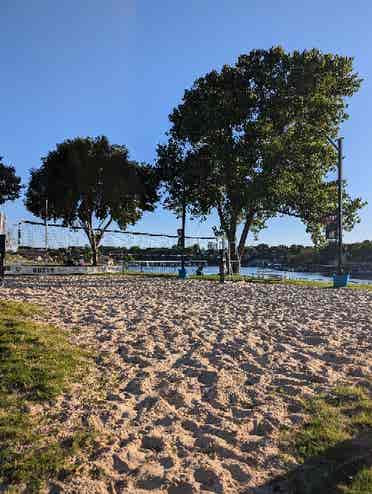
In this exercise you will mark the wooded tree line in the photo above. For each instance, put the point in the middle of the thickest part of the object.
(294, 255)
(298, 255)
(249, 141)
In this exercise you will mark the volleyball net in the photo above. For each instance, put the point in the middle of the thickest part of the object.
(49, 236)
(133, 250)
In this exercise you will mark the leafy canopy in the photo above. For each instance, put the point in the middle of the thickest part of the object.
(251, 140)
(10, 184)
(88, 181)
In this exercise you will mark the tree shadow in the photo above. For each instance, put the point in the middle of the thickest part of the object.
(325, 474)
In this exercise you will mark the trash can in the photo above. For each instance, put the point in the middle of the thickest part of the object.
(182, 273)
(341, 280)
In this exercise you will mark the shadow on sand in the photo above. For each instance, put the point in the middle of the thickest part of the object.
(326, 474)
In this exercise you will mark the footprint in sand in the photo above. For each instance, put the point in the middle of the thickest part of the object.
(154, 443)
(209, 480)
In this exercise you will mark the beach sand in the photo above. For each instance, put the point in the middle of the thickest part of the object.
(202, 375)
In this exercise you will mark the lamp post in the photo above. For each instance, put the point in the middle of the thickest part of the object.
(341, 279)
(340, 219)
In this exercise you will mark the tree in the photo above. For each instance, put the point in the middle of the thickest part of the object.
(251, 141)
(10, 184)
(88, 181)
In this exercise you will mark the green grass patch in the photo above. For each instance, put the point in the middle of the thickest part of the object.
(238, 278)
(148, 275)
(334, 447)
(361, 484)
(37, 363)
(263, 281)
(361, 286)
(246, 278)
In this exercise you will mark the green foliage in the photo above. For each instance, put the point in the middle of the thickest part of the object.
(299, 257)
(10, 184)
(251, 141)
(361, 484)
(36, 364)
(335, 445)
(87, 180)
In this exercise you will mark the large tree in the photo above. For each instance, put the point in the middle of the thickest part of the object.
(251, 141)
(10, 184)
(91, 183)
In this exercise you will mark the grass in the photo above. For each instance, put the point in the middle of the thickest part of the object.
(246, 278)
(335, 445)
(263, 281)
(146, 275)
(37, 363)
(362, 483)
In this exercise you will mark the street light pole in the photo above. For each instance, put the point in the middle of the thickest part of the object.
(340, 219)
(338, 146)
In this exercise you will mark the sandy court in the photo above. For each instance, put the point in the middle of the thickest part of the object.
(204, 374)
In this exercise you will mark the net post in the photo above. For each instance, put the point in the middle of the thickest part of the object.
(2, 248)
(46, 228)
(182, 273)
(222, 261)
(19, 236)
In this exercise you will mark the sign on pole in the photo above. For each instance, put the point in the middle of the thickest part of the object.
(331, 227)
(180, 237)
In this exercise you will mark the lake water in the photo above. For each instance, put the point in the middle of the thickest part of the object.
(247, 271)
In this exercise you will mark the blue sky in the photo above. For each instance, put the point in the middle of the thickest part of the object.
(118, 67)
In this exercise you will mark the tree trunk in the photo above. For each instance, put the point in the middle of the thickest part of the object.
(229, 226)
(234, 264)
(92, 241)
(234, 256)
(94, 247)
(243, 237)
(236, 252)
(95, 237)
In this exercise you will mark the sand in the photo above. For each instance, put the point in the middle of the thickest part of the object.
(201, 376)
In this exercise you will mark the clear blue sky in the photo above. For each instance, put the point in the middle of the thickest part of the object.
(118, 67)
